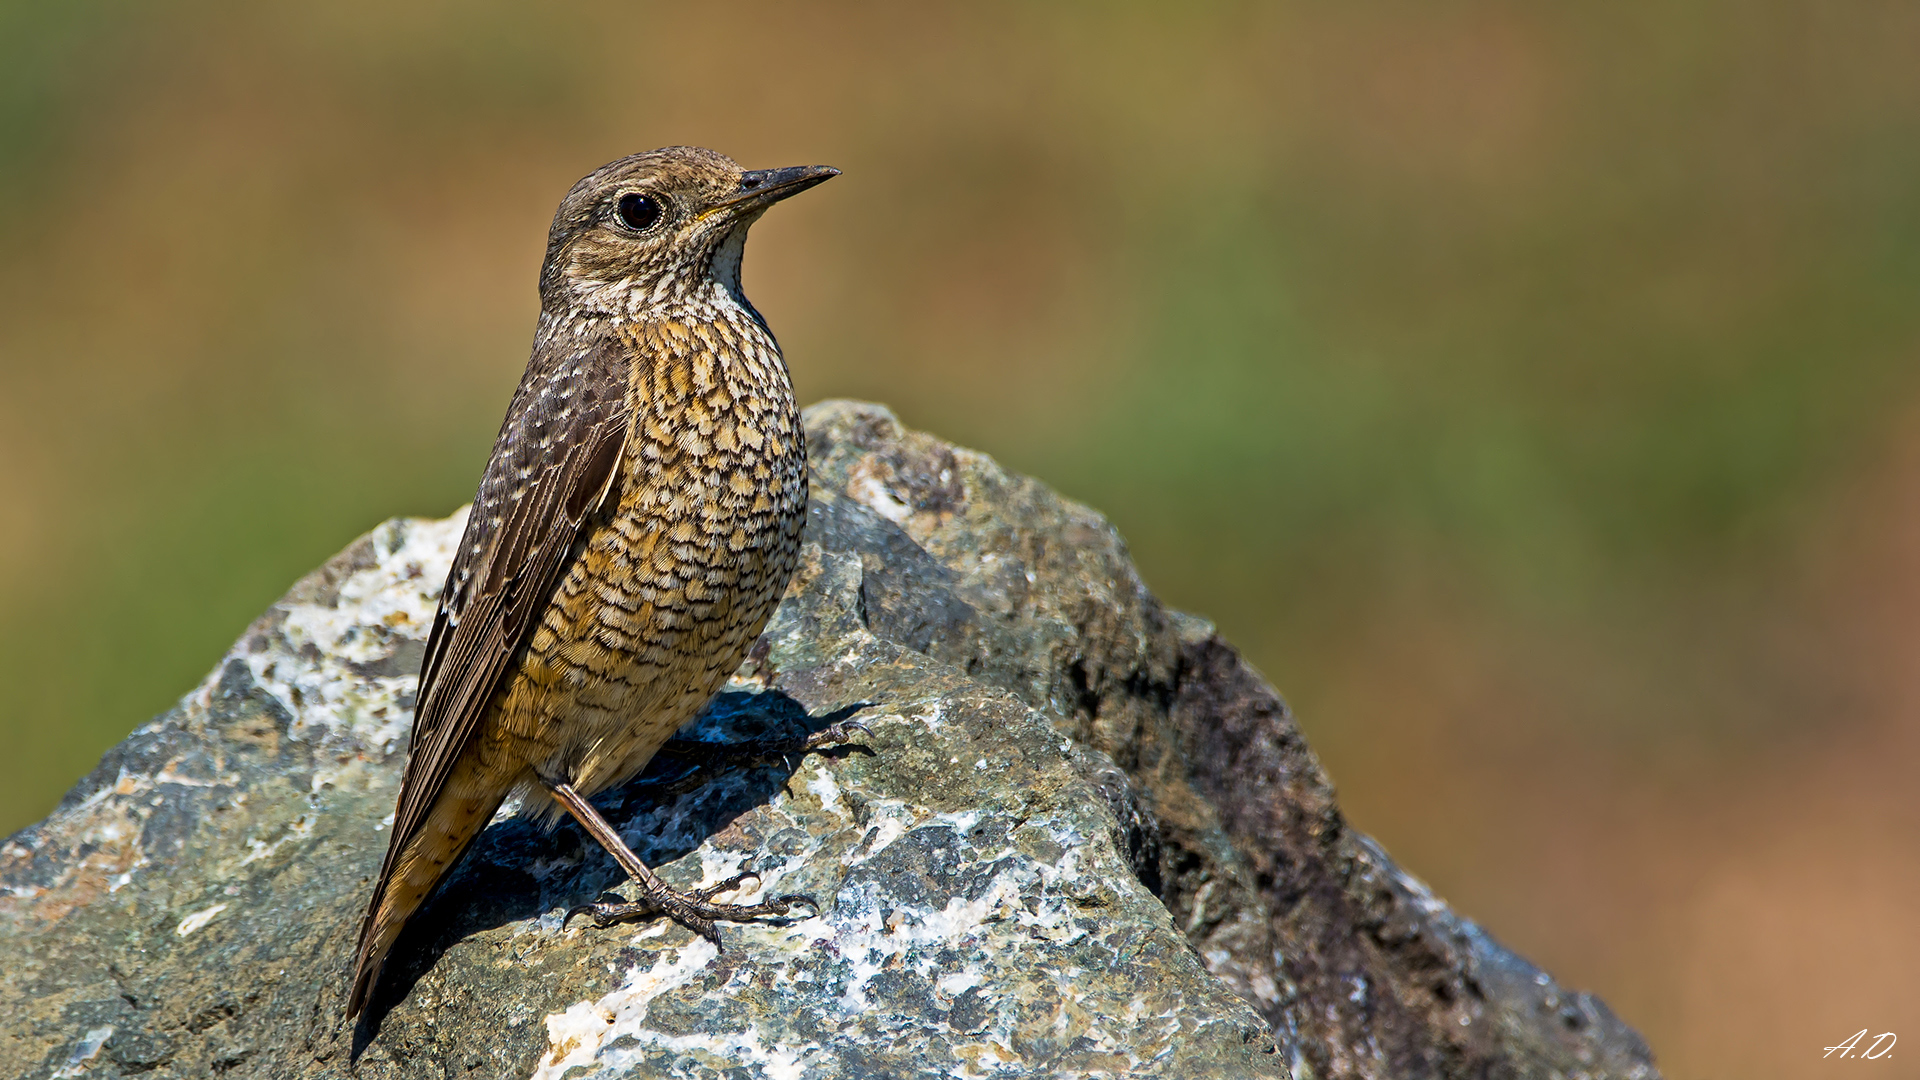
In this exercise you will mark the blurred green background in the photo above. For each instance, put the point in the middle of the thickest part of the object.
(1529, 389)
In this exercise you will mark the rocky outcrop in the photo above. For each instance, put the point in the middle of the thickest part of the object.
(1083, 839)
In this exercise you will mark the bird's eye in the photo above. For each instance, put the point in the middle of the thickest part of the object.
(639, 212)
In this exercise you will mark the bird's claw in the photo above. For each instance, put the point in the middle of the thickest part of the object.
(606, 914)
(786, 902)
(837, 732)
(711, 891)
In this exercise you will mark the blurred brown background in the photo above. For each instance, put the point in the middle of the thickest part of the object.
(1529, 389)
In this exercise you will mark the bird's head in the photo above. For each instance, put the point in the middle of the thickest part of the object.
(651, 228)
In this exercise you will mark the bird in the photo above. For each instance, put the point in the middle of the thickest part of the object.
(635, 526)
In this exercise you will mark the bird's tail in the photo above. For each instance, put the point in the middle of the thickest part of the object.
(414, 865)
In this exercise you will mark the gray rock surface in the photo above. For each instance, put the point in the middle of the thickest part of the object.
(1084, 839)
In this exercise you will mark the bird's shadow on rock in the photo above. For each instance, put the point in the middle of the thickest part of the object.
(517, 870)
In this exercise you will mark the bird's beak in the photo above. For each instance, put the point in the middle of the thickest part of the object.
(761, 188)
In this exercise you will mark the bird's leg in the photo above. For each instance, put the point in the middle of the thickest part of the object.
(694, 910)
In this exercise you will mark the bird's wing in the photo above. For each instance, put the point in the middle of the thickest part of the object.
(556, 461)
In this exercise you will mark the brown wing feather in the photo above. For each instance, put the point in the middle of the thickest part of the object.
(555, 462)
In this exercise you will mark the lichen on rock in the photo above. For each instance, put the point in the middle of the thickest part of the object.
(1083, 839)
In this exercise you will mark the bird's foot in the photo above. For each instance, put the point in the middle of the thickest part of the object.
(694, 910)
(707, 756)
(840, 731)
(714, 753)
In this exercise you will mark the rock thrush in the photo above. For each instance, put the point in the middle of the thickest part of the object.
(636, 524)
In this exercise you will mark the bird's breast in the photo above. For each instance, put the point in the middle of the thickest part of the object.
(705, 532)
(671, 584)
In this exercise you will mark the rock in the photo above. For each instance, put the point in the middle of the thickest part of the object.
(1083, 839)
